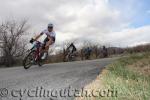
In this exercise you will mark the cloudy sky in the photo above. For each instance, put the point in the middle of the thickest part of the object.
(116, 22)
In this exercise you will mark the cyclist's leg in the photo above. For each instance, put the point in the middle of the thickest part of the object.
(42, 48)
(48, 42)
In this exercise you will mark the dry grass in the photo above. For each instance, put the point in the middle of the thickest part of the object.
(142, 67)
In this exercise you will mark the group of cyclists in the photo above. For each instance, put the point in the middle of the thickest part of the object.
(39, 52)
(50, 40)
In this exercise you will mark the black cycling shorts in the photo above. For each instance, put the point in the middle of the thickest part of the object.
(46, 40)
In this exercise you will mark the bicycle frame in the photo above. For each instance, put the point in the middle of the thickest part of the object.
(36, 48)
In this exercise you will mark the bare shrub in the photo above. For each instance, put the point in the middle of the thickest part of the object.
(11, 34)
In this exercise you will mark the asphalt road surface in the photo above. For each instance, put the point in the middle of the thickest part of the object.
(59, 81)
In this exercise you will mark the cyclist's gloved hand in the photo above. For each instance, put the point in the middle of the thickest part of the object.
(32, 40)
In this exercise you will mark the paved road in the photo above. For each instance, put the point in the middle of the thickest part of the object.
(49, 82)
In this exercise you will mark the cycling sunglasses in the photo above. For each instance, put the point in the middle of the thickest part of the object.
(50, 27)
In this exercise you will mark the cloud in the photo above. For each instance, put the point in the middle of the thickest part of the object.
(95, 20)
(130, 36)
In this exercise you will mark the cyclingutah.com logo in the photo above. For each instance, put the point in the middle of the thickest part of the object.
(40, 92)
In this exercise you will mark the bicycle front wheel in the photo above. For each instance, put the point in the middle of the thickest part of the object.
(29, 60)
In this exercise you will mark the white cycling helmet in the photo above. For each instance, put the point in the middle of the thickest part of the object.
(50, 25)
